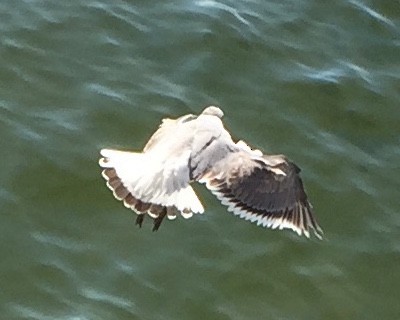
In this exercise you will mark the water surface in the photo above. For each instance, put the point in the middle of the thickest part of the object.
(316, 81)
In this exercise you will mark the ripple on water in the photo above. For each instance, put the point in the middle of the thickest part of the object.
(372, 13)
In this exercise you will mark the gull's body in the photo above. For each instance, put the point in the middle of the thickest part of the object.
(260, 188)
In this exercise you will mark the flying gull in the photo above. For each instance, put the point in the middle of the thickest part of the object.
(265, 189)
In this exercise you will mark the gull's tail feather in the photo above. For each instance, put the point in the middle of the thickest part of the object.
(140, 183)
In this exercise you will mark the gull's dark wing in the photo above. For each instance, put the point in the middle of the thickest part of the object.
(263, 189)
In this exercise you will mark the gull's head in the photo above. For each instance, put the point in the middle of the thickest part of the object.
(213, 111)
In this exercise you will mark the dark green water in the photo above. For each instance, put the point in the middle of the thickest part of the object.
(316, 80)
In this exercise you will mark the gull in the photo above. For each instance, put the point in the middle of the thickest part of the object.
(264, 189)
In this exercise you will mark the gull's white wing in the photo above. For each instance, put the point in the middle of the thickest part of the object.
(166, 132)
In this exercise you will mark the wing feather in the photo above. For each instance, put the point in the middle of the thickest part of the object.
(263, 189)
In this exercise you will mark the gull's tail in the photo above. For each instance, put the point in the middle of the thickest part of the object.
(145, 185)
